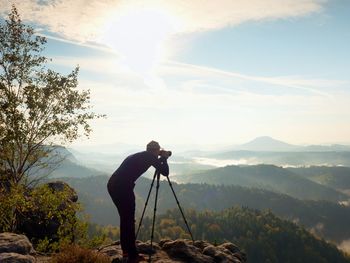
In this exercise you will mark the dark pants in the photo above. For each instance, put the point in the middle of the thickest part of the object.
(124, 199)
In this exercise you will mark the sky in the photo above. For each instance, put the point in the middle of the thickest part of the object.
(201, 73)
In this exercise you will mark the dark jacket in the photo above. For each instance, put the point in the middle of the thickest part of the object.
(137, 164)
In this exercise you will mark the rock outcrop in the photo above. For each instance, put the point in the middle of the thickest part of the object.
(15, 248)
(180, 250)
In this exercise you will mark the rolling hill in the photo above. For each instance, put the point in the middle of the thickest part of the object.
(267, 177)
(335, 177)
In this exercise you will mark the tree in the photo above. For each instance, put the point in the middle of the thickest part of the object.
(39, 108)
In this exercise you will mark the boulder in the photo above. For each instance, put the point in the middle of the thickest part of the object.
(14, 243)
(16, 258)
(15, 248)
(183, 250)
(231, 247)
(146, 248)
(201, 244)
(218, 255)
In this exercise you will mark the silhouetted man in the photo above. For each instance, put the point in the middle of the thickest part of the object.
(121, 188)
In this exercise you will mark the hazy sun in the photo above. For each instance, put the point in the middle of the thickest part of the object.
(139, 37)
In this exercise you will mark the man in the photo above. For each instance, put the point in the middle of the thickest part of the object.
(121, 188)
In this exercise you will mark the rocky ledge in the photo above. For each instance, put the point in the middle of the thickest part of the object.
(180, 250)
(17, 248)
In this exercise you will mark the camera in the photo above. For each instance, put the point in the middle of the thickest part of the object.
(165, 154)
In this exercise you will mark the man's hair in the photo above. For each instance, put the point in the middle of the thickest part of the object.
(152, 145)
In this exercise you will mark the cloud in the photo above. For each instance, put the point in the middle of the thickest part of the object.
(78, 20)
(211, 101)
(95, 46)
(210, 80)
(295, 82)
(197, 15)
(189, 86)
(83, 21)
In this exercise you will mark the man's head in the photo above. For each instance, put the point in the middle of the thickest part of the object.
(153, 147)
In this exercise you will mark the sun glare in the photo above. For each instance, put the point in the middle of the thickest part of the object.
(139, 37)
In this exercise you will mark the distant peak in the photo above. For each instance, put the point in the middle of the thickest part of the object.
(265, 138)
(267, 143)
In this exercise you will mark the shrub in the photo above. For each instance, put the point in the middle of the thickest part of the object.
(77, 254)
(46, 216)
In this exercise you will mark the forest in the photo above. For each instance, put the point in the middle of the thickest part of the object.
(262, 235)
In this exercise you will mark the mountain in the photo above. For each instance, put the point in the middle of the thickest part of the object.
(108, 163)
(303, 183)
(267, 144)
(260, 150)
(267, 177)
(112, 148)
(266, 150)
(63, 163)
(105, 162)
(73, 169)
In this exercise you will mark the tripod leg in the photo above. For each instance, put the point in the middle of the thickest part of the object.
(144, 209)
(155, 208)
(178, 204)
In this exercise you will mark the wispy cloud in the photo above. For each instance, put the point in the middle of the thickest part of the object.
(201, 78)
(200, 86)
(95, 46)
(295, 82)
(82, 20)
(211, 103)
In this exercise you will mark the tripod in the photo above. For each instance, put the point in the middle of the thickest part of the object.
(157, 175)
